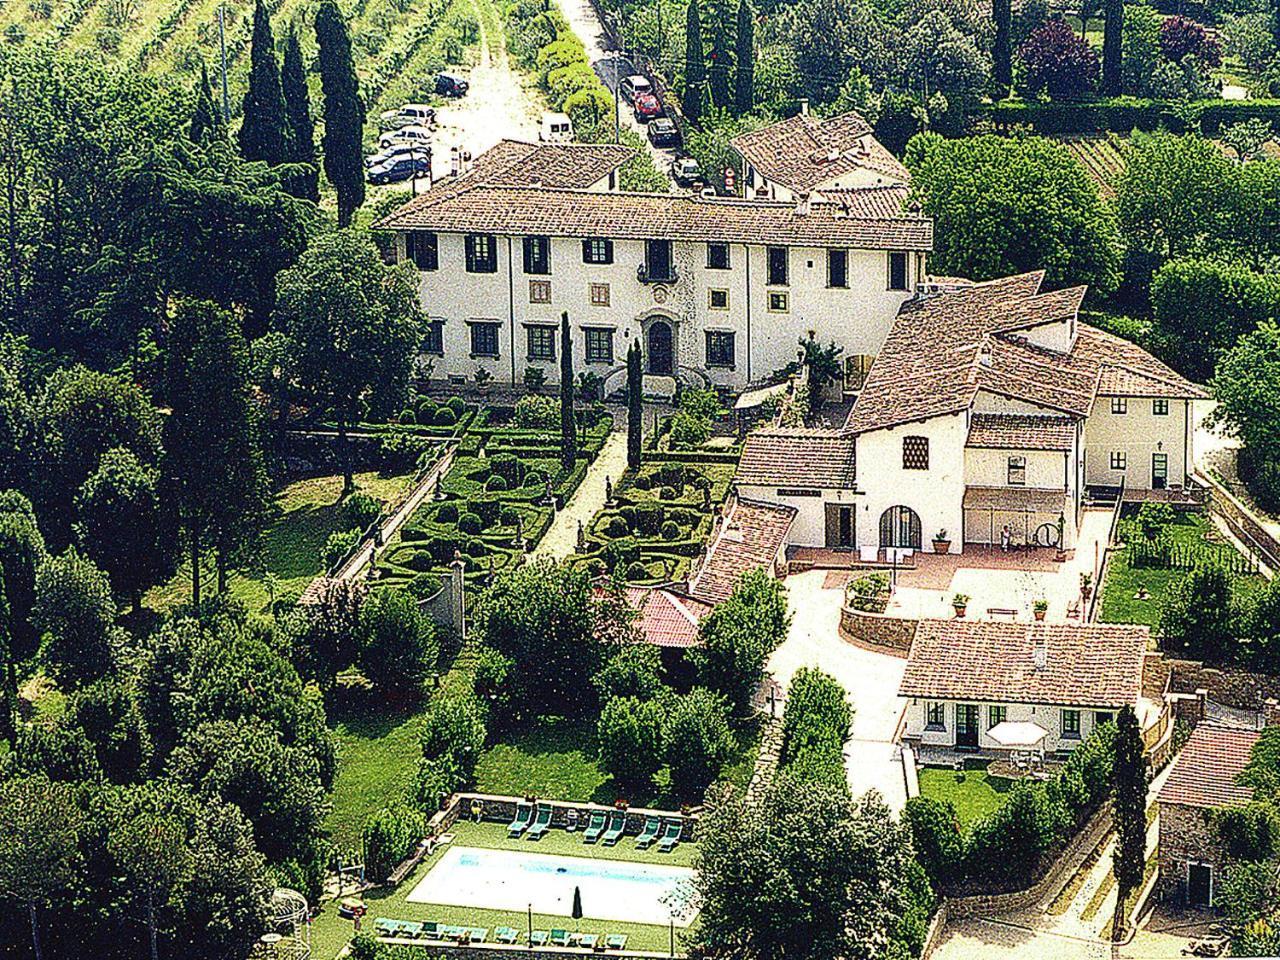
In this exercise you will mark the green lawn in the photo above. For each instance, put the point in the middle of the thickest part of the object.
(329, 932)
(974, 793)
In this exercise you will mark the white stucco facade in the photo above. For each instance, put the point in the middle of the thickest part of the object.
(1061, 731)
(1130, 439)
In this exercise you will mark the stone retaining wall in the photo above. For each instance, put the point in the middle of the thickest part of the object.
(879, 631)
(1230, 686)
(1241, 521)
(498, 951)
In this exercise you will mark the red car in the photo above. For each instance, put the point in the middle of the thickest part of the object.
(647, 107)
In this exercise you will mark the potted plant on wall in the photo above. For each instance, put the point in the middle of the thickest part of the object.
(1086, 586)
(1039, 608)
(941, 543)
(960, 602)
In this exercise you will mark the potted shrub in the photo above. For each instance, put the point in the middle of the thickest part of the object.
(1039, 608)
(1086, 586)
(961, 603)
(941, 543)
(1061, 555)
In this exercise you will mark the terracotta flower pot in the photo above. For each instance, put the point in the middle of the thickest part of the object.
(942, 546)
(960, 609)
(1038, 614)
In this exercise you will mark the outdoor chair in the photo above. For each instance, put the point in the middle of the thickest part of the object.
(652, 825)
(520, 824)
(539, 938)
(595, 827)
(506, 934)
(560, 938)
(671, 836)
(615, 941)
(541, 823)
(617, 823)
(588, 940)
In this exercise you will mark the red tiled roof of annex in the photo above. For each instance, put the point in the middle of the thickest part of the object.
(1204, 773)
(797, 458)
(750, 537)
(667, 619)
(805, 151)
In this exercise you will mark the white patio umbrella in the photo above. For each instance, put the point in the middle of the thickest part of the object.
(1020, 735)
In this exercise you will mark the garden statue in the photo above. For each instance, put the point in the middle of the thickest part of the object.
(520, 533)
(551, 500)
(439, 493)
(582, 538)
(608, 491)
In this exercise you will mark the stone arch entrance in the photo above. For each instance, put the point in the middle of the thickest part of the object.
(660, 352)
(900, 528)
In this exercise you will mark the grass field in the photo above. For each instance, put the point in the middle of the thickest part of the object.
(974, 793)
(329, 932)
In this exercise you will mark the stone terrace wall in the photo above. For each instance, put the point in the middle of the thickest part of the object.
(1226, 685)
(879, 631)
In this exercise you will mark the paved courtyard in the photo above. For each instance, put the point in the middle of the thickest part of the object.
(871, 679)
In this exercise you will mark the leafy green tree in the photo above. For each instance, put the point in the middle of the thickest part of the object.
(695, 63)
(719, 58)
(206, 119)
(121, 525)
(633, 670)
(738, 636)
(22, 551)
(8, 672)
(1113, 49)
(39, 854)
(1248, 138)
(744, 54)
(830, 37)
(264, 130)
(17, 443)
(568, 430)
(74, 611)
(635, 407)
(1139, 47)
(110, 715)
(1262, 629)
(1002, 53)
(698, 742)
(351, 325)
(302, 128)
(1245, 387)
(325, 634)
(1129, 776)
(1248, 896)
(629, 739)
(815, 727)
(936, 55)
(399, 648)
(936, 837)
(1010, 205)
(343, 111)
(152, 851)
(454, 726)
(1199, 617)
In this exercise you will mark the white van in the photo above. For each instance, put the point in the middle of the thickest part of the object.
(409, 114)
(633, 85)
(555, 128)
(418, 136)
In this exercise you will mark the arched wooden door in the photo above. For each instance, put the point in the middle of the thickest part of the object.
(900, 527)
(660, 349)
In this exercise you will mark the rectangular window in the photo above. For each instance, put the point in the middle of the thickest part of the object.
(915, 453)
(838, 268)
(484, 338)
(996, 716)
(599, 294)
(433, 339)
(935, 716)
(717, 299)
(720, 348)
(777, 266)
(1119, 460)
(778, 302)
(597, 250)
(1102, 717)
(1160, 408)
(658, 265)
(897, 271)
(1071, 724)
(539, 291)
(542, 342)
(717, 256)
(422, 247)
(482, 253)
(537, 255)
(1017, 471)
(599, 345)
(1119, 405)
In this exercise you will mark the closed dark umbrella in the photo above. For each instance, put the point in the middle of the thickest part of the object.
(577, 906)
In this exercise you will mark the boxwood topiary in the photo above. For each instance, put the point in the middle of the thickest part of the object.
(447, 512)
(637, 571)
(509, 516)
(457, 405)
(617, 527)
(486, 508)
(670, 530)
(495, 484)
(445, 417)
(407, 416)
(469, 523)
(426, 410)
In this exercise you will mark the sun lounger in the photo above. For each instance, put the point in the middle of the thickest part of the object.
(671, 836)
(452, 933)
(560, 938)
(539, 938)
(541, 823)
(506, 934)
(410, 929)
(385, 927)
(595, 827)
(650, 833)
(615, 941)
(524, 813)
(431, 931)
(588, 940)
(617, 823)
(479, 934)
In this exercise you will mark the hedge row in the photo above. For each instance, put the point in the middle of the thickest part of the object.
(1123, 114)
(815, 727)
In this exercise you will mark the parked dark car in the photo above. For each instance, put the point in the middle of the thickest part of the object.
(451, 85)
(400, 169)
(663, 132)
(647, 107)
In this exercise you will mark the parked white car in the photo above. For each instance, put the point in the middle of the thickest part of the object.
(409, 114)
(417, 135)
(555, 128)
(634, 85)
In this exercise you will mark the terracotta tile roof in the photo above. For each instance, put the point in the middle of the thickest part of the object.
(1016, 499)
(805, 151)
(1016, 431)
(524, 210)
(516, 163)
(943, 349)
(797, 458)
(1204, 773)
(750, 537)
(667, 619)
(1089, 665)
(886, 201)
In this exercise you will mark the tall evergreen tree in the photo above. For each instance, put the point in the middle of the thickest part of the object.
(1002, 53)
(635, 407)
(206, 120)
(695, 64)
(343, 111)
(1113, 48)
(744, 78)
(8, 672)
(302, 128)
(264, 133)
(568, 430)
(720, 61)
(1129, 778)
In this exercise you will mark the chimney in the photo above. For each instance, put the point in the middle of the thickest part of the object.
(804, 106)
(1040, 655)
(802, 204)
(984, 353)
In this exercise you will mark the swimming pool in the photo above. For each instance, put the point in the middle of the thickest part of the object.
(513, 880)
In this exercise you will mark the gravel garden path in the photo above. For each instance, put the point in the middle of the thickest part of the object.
(588, 500)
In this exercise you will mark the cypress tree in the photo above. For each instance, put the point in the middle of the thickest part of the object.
(1002, 54)
(1129, 777)
(695, 65)
(568, 431)
(264, 133)
(206, 120)
(719, 68)
(302, 129)
(1112, 48)
(343, 111)
(8, 672)
(744, 80)
(635, 409)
